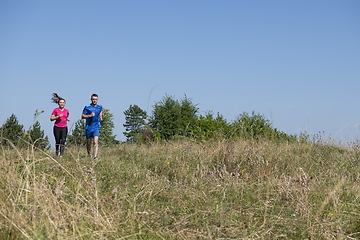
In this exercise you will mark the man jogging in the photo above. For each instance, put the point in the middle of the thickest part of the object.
(93, 115)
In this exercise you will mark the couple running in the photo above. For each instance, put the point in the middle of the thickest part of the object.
(93, 115)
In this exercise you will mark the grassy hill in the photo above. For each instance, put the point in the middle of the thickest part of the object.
(183, 190)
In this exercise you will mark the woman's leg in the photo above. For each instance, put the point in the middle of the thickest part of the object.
(63, 135)
(57, 132)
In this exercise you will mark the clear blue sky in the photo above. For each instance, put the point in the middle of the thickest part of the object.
(295, 62)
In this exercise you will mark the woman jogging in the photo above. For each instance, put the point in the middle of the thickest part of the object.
(61, 116)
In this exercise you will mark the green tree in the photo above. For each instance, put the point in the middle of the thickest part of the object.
(106, 130)
(171, 117)
(211, 127)
(188, 115)
(78, 135)
(11, 131)
(135, 121)
(256, 126)
(37, 136)
(252, 126)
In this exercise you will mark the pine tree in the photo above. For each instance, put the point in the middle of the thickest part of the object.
(135, 122)
(78, 135)
(11, 131)
(106, 130)
(37, 136)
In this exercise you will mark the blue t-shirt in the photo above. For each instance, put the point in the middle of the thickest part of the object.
(92, 122)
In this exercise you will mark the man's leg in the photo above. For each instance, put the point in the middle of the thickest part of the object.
(96, 146)
(88, 146)
(89, 137)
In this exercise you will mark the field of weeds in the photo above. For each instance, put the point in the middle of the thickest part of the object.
(182, 190)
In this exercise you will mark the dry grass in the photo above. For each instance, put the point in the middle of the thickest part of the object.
(183, 190)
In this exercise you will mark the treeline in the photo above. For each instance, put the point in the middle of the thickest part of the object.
(170, 119)
(13, 133)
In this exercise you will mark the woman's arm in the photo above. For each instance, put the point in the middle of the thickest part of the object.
(53, 117)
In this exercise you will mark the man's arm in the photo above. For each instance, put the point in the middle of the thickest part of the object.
(84, 116)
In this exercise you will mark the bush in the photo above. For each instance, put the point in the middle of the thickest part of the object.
(256, 126)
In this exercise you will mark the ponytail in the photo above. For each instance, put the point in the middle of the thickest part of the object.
(56, 98)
